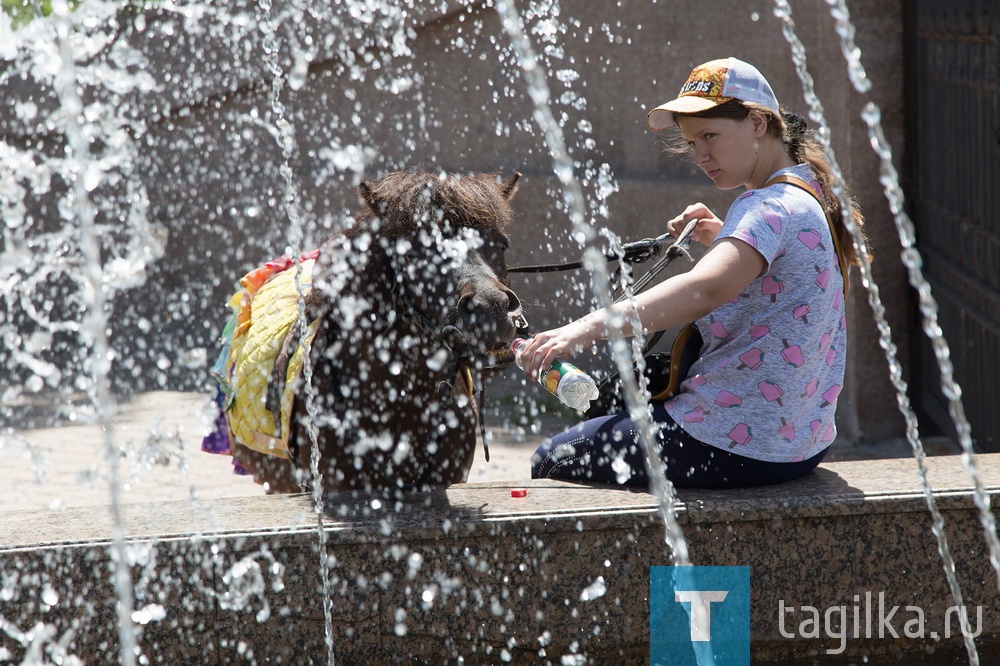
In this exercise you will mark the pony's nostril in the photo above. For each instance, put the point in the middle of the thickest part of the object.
(467, 305)
(513, 303)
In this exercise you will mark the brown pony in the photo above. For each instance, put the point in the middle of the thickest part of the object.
(412, 304)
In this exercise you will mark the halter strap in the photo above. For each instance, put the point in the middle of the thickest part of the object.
(805, 187)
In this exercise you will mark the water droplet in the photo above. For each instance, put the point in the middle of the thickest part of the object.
(595, 590)
(49, 596)
(91, 178)
(150, 613)
(437, 361)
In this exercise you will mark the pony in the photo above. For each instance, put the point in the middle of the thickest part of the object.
(385, 333)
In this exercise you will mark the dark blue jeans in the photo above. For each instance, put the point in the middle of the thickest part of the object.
(607, 450)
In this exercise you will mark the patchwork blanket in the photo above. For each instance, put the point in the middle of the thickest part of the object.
(255, 410)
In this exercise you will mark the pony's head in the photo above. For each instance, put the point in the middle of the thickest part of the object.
(440, 240)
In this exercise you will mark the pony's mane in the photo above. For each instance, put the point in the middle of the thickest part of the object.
(406, 200)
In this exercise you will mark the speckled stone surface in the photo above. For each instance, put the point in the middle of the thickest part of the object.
(472, 572)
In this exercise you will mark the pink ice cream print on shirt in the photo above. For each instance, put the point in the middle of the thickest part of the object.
(718, 329)
(771, 286)
(773, 221)
(821, 433)
(751, 359)
(786, 431)
(697, 380)
(822, 278)
(830, 395)
(741, 435)
(792, 354)
(726, 399)
(824, 342)
(838, 299)
(696, 415)
(757, 331)
(771, 392)
(811, 388)
(811, 239)
(802, 313)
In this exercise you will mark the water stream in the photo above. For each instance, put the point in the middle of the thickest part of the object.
(911, 259)
(564, 168)
(286, 140)
(84, 175)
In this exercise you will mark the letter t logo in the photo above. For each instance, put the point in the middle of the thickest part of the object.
(701, 611)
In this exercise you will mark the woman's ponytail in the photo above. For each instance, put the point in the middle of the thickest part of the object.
(802, 146)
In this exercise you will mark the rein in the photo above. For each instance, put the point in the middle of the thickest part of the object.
(463, 355)
(636, 252)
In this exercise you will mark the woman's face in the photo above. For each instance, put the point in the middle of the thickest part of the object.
(725, 149)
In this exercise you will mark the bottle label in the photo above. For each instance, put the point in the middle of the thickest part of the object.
(551, 380)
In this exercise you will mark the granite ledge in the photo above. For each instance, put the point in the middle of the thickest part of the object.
(834, 489)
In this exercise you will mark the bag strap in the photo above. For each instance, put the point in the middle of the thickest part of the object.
(802, 185)
(683, 354)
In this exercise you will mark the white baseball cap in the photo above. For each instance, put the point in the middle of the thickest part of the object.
(714, 83)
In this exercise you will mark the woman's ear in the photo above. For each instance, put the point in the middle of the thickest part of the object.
(759, 121)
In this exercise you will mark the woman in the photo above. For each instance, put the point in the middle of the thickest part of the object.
(767, 297)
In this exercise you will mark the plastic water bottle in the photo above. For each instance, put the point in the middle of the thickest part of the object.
(564, 380)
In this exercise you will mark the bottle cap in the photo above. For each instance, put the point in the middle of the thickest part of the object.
(519, 492)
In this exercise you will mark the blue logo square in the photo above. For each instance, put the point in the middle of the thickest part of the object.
(699, 616)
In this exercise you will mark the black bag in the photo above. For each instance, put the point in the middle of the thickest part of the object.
(664, 373)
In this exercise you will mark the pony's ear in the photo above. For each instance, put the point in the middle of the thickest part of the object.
(368, 195)
(509, 189)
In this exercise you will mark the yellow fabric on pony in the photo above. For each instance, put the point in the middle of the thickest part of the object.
(264, 313)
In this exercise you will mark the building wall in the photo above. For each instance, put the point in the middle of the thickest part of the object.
(440, 87)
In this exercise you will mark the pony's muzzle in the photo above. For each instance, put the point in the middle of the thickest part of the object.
(491, 315)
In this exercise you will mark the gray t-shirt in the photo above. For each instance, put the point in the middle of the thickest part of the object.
(772, 363)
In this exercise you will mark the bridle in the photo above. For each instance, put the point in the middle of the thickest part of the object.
(463, 356)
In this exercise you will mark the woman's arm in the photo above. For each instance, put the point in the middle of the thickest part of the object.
(725, 270)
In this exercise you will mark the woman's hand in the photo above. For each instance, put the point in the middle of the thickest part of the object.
(564, 342)
(708, 226)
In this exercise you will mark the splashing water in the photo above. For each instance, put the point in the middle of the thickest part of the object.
(852, 55)
(101, 154)
(929, 309)
(636, 397)
(913, 262)
(593, 260)
(286, 139)
(85, 176)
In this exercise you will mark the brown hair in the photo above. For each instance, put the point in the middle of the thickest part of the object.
(802, 146)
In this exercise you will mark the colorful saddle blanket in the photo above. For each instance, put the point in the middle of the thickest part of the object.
(264, 313)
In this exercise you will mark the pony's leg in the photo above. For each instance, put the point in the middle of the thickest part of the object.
(277, 475)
